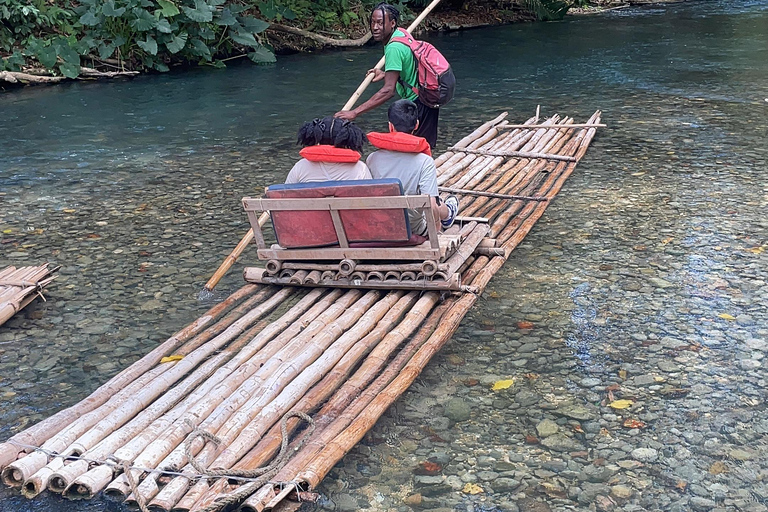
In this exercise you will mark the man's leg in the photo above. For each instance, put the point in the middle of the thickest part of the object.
(427, 123)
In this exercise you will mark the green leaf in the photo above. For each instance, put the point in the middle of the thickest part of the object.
(219, 64)
(197, 15)
(109, 10)
(225, 18)
(144, 20)
(67, 53)
(168, 9)
(163, 26)
(178, 43)
(200, 49)
(262, 56)
(69, 70)
(253, 25)
(89, 19)
(161, 67)
(149, 46)
(244, 38)
(106, 50)
(47, 56)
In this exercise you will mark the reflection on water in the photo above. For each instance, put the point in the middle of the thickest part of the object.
(645, 280)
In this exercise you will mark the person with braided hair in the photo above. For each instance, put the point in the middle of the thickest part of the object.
(399, 69)
(332, 151)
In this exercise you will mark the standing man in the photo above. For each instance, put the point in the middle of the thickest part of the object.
(399, 73)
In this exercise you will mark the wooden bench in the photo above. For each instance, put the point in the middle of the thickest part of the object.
(350, 234)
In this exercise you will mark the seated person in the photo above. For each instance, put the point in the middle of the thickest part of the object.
(408, 158)
(331, 152)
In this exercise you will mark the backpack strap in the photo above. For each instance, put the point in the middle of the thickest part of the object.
(407, 40)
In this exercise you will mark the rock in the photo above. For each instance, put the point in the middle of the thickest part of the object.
(561, 443)
(699, 503)
(597, 474)
(346, 503)
(505, 484)
(589, 382)
(578, 412)
(457, 410)
(621, 492)
(414, 500)
(645, 454)
(741, 455)
(547, 428)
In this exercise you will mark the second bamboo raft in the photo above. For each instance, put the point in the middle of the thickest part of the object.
(181, 433)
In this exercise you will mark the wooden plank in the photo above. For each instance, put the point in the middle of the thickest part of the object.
(418, 252)
(256, 228)
(337, 203)
(339, 226)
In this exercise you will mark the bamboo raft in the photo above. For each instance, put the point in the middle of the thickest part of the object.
(20, 286)
(288, 379)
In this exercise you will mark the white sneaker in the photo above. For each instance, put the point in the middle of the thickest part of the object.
(452, 202)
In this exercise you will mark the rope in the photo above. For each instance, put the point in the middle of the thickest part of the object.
(256, 478)
(264, 473)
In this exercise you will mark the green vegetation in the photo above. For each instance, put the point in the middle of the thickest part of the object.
(60, 36)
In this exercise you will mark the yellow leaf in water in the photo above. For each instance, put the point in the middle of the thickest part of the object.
(726, 316)
(7, 231)
(623, 374)
(69, 210)
(757, 250)
(471, 488)
(171, 359)
(638, 173)
(620, 404)
(667, 240)
(503, 384)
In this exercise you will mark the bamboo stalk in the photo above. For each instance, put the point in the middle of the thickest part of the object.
(569, 127)
(234, 255)
(489, 194)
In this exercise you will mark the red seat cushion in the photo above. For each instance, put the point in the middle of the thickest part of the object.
(314, 228)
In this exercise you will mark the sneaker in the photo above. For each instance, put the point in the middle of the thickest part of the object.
(452, 202)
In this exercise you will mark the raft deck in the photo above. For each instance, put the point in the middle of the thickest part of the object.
(185, 427)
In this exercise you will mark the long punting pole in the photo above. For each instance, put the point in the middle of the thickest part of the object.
(341, 356)
(248, 238)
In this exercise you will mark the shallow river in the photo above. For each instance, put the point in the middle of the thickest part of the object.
(645, 280)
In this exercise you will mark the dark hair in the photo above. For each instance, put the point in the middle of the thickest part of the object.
(403, 115)
(332, 131)
(385, 9)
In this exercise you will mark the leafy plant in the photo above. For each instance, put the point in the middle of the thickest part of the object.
(547, 10)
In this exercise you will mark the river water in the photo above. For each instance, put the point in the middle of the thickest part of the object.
(645, 280)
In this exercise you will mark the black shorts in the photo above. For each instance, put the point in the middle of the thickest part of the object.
(427, 123)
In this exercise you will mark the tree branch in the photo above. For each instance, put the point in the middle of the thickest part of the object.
(327, 41)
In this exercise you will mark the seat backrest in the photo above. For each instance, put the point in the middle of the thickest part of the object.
(296, 229)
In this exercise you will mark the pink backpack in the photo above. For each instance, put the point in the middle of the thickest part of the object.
(437, 82)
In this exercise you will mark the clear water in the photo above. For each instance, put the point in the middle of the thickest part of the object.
(134, 188)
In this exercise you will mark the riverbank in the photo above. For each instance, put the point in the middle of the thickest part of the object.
(61, 46)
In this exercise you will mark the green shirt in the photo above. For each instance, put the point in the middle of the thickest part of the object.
(399, 57)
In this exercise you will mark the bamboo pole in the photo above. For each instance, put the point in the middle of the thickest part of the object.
(569, 127)
(489, 194)
(234, 255)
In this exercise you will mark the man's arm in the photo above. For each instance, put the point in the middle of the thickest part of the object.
(381, 96)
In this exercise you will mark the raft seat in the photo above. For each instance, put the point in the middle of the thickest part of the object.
(334, 220)
(355, 234)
